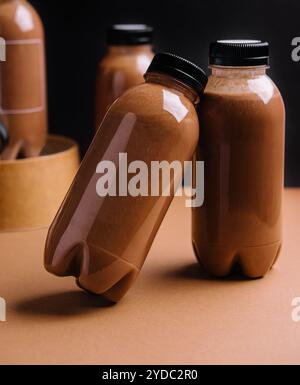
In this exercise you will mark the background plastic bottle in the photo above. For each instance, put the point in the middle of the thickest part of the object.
(129, 53)
(22, 79)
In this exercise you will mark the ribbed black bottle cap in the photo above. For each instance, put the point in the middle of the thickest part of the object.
(181, 69)
(237, 53)
(129, 34)
(3, 136)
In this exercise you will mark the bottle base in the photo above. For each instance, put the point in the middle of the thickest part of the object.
(251, 262)
(96, 271)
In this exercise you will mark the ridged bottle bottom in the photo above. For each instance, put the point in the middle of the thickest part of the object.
(96, 270)
(252, 262)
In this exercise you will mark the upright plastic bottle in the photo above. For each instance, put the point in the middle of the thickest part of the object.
(242, 120)
(103, 240)
(22, 79)
(129, 53)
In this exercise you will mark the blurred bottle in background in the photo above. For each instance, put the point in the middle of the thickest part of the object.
(22, 80)
(128, 56)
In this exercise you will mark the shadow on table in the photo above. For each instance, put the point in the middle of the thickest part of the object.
(195, 271)
(62, 304)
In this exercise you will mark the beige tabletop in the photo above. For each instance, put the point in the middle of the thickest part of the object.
(173, 315)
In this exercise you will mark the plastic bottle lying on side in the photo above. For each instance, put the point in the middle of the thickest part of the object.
(104, 240)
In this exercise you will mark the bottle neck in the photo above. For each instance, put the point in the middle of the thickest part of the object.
(129, 49)
(170, 82)
(238, 72)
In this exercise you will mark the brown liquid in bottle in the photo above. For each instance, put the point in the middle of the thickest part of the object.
(22, 79)
(242, 120)
(123, 66)
(103, 241)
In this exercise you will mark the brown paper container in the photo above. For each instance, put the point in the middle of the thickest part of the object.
(32, 189)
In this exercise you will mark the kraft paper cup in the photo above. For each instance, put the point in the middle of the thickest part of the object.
(32, 189)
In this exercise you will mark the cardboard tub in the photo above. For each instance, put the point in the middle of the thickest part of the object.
(32, 189)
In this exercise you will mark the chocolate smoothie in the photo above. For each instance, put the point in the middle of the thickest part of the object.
(128, 56)
(22, 79)
(104, 240)
(242, 119)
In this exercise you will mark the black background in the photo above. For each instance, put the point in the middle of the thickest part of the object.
(75, 38)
